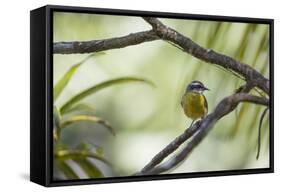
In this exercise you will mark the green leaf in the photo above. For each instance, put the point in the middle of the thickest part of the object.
(99, 151)
(80, 107)
(90, 146)
(59, 146)
(72, 154)
(61, 84)
(89, 168)
(100, 86)
(56, 123)
(91, 118)
(83, 146)
(67, 171)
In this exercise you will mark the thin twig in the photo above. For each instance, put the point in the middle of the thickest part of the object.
(259, 132)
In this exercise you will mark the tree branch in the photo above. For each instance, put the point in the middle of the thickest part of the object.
(227, 105)
(208, 55)
(105, 44)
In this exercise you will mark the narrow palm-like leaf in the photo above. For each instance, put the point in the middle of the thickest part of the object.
(91, 118)
(89, 168)
(56, 123)
(67, 171)
(61, 84)
(100, 86)
(72, 154)
(80, 107)
(89, 146)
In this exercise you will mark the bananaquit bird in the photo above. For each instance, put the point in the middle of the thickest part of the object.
(193, 101)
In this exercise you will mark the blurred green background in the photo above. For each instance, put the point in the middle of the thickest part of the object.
(147, 118)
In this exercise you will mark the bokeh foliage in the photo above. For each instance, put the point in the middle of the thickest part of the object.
(65, 156)
(146, 119)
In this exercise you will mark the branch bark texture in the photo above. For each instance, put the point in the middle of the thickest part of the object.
(105, 44)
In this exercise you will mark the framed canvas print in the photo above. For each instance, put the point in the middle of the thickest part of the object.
(122, 95)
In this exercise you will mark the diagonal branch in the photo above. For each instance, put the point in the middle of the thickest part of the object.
(208, 55)
(227, 105)
(105, 44)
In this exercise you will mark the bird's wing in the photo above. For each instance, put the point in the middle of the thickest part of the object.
(206, 103)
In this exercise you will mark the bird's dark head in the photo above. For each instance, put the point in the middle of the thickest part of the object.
(196, 86)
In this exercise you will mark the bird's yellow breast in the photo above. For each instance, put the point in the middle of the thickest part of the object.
(194, 105)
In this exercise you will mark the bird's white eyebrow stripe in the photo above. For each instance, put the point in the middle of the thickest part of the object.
(195, 83)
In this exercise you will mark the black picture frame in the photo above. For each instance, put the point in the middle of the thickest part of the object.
(41, 38)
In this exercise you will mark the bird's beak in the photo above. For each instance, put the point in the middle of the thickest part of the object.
(206, 89)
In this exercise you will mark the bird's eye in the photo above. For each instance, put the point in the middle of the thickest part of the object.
(198, 87)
